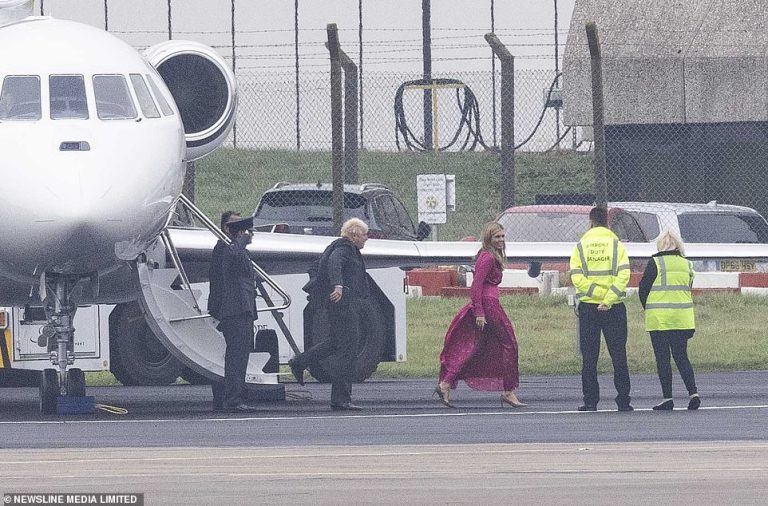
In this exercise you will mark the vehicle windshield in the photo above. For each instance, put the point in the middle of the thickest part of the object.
(544, 227)
(723, 228)
(307, 206)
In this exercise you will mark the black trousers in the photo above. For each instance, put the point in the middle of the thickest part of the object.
(613, 325)
(674, 342)
(345, 320)
(238, 334)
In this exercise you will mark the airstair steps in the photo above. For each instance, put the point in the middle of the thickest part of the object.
(188, 332)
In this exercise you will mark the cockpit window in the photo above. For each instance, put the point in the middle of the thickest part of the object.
(113, 100)
(167, 110)
(148, 107)
(68, 97)
(20, 98)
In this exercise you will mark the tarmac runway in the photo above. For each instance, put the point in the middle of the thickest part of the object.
(403, 448)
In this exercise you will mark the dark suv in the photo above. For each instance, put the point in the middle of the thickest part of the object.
(308, 209)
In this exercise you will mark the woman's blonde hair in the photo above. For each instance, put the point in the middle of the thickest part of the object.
(670, 241)
(353, 226)
(489, 230)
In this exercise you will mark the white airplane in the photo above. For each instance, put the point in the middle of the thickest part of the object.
(95, 139)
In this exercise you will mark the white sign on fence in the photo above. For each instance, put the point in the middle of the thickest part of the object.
(436, 194)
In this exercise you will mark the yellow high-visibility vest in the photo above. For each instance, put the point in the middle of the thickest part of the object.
(600, 267)
(670, 305)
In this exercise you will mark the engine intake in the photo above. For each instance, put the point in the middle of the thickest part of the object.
(204, 89)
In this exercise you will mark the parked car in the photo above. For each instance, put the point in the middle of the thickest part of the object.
(643, 222)
(699, 223)
(296, 208)
(704, 223)
(563, 223)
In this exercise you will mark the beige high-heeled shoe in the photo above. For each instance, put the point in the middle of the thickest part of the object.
(511, 399)
(444, 395)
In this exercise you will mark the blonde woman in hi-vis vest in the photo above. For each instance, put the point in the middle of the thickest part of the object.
(665, 292)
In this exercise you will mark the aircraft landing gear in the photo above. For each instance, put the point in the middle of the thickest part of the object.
(49, 391)
(75, 385)
(60, 311)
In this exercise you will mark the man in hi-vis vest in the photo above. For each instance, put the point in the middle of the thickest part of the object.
(600, 274)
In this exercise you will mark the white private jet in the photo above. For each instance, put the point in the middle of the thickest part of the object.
(95, 139)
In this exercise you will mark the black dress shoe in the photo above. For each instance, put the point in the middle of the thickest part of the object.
(626, 407)
(241, 408)
(587, 407)
(297, 371)
(694, 403)
(667, 405)
(346, 407)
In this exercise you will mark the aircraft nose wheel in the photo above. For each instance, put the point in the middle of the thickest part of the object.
(75, 382)
(49, 391)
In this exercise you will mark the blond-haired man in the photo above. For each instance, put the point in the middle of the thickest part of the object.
(342, 271)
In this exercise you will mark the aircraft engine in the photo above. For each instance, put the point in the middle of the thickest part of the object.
(14, 10)
(204, 88)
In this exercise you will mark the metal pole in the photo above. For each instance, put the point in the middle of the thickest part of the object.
(234, 71)
(106, 16)
(42, 7)
(298, 91)
(350, 118)
(360, 67)
(337, 140)
(557, 81)
(507, 182)
(170, 26)
(493, 76)
(426, 29)
(598, 110)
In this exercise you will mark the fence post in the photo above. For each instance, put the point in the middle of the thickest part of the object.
(337, 141)
(350, 118)
(298, 86)
(426, 31)
(507, 182)
(598, 110)
(233, 32)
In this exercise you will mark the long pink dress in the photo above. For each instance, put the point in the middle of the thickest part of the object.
(485, 359)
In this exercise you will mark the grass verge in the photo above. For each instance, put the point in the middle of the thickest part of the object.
(730, 336)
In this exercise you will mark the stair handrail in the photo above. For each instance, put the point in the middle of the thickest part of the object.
(211, 226)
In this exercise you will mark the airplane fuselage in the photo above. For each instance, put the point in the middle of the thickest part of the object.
(92, 151)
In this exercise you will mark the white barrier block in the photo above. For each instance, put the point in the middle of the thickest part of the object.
(754, 290)
(414, 291)
(518, 278)
(563, 291)
(716, 280)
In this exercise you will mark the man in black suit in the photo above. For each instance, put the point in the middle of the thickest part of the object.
(342, 274)
(232, 302)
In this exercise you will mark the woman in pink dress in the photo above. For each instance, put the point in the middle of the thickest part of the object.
(480, 345)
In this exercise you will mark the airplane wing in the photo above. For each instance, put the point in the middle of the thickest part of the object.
(290, 253)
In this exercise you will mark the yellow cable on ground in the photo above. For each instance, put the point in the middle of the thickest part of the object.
(111, 409)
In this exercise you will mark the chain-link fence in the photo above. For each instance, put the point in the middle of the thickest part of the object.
(706, 164)
(281, 139)
(678, 130)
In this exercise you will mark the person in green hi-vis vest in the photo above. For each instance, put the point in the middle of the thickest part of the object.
(665, 293)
